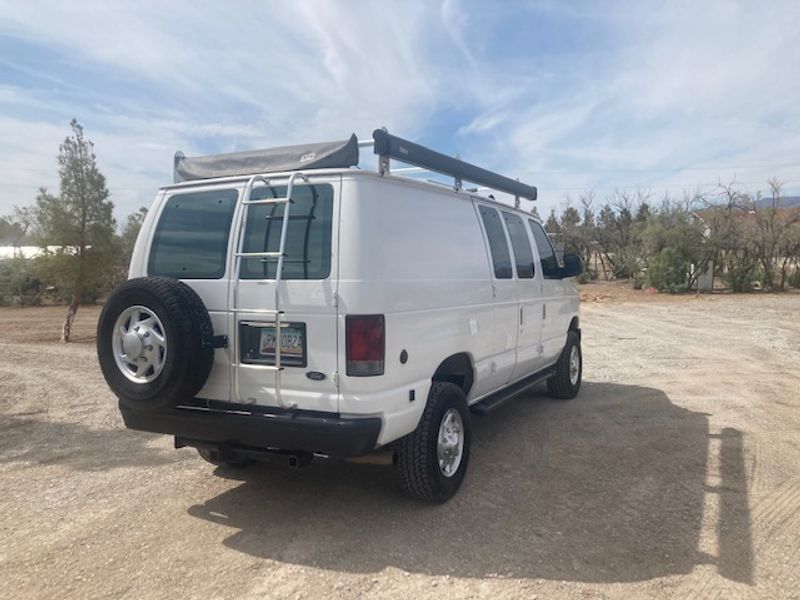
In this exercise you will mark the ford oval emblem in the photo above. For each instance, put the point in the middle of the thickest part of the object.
(315, 375)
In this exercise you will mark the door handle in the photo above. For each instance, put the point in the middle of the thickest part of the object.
(521, 317)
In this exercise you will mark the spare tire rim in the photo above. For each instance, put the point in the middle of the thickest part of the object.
(139, 342)
(450, 442)
(574, 365)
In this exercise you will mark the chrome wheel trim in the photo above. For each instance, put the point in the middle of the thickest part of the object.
(139, 343)
(450, 442)
(574, 365)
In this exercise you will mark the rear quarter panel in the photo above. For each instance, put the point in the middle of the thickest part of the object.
(418, 257)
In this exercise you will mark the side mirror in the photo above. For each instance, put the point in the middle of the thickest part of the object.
(572, 266)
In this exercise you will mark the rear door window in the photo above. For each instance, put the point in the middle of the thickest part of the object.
(501, 260)
(191, 239)
(547, 255)
(521, 245)
(308, 238)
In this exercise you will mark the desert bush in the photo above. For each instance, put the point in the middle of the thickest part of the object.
(19, 283)
(743, 272)
(670, 270)
(794, 278)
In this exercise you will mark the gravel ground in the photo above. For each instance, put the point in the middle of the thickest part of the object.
(676, 472)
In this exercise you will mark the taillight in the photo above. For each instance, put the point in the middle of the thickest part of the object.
(365, 340)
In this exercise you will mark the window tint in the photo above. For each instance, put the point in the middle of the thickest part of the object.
(497, 242)
(308, 238)
(191, 240)
(547, 256)
(521, 245)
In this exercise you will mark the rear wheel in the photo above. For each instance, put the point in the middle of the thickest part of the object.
(566, 382)
(432, 460)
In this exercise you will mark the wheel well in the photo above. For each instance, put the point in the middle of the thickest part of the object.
(575, 325)
(456, 369)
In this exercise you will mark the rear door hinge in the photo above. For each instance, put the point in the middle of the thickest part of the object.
(336, 299)
(335, 378)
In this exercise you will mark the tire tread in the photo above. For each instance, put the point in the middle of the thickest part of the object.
(559, 384)
(413, 461)
(192, 344)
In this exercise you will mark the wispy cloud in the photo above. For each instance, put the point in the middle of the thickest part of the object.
(566, 97)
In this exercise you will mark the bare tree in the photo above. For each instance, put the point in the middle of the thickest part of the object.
(774, 226)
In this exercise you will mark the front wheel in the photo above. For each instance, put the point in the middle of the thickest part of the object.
(566, 382)
(432, 460)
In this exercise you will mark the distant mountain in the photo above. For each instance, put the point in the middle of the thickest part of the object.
(785, 202)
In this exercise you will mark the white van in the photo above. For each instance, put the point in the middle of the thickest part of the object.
(401, 306)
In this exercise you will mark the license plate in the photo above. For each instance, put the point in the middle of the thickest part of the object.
(257, 343)
(292, 342)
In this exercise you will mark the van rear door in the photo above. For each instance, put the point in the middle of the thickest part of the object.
(190, 242)
(306, 295)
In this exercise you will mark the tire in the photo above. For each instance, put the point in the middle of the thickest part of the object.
(564, 385)
(418, 464)
(176, 336)
(218, 459)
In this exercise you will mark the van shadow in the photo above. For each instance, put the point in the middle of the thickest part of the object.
(608, 487)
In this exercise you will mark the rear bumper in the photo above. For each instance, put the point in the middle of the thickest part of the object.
(300, 431)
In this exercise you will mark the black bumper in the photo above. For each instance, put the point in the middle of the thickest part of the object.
(299, 431)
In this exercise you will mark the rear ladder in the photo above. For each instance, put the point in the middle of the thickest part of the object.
(276, 313)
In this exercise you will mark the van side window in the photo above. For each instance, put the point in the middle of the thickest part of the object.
(497, 242)
(521, 245)
(547, 255)
(191, 239)
(308, 237)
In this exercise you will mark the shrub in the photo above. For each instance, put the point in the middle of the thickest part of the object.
(743, 273)
(794, 278)
(19, 283)
(669, 271)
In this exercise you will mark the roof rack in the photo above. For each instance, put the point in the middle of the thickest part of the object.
(345, 154)
(388, 146)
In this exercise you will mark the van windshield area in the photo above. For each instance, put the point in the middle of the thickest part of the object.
(308, 238)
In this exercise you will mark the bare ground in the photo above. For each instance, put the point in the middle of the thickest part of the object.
(676, 472)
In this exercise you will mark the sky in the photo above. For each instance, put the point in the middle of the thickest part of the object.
(567, 96)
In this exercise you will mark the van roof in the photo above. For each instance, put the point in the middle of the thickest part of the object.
(354, 172)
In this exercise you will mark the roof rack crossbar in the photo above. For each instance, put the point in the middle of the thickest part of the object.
(388, 146)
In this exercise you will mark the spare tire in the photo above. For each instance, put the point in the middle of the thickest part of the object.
(154, 343)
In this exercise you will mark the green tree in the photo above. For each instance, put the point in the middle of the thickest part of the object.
(131, 232)
(7, 231)
(14, 228)
(552, 226)
(673, 247)
(79, 222)
(569, 222)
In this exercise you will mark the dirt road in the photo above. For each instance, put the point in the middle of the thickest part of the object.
(676, 472)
